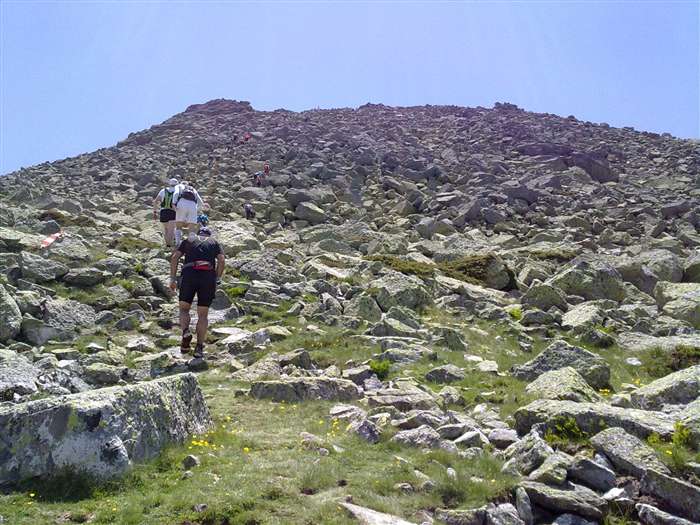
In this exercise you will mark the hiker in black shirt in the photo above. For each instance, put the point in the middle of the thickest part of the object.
(204, 266)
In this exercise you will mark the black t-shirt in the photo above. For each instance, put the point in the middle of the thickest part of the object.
(197, 250)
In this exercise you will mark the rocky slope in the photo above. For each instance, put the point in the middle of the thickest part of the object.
(528, 287)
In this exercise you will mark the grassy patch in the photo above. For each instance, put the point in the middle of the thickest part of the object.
(131, 244)
(405, 265)
(380, 367)
(677, 452)
(659, 363)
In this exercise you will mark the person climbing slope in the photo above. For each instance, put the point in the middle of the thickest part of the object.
(204, 266)
(187, 203)
(203, 217)
(164, 202)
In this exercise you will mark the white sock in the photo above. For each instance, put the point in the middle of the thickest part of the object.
(178, 237)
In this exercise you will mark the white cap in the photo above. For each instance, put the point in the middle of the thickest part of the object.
(172, 182)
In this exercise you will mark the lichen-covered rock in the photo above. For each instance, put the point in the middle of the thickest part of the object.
(590, 278)
(17, 375)
(544, 297)
(404, 398)
(582, 316)
(445, 374)
(397, 289)
(592, 474)
(650, 515)
(101, 431)
(564, 384)
(61, 320)
(681, 496)
(41, 270)
(423, 436)
(629, 454)
(680, 301)
(526, 455)
(306, 388)
(678, 388)
(593, 417)
(365, 516)
(569, 498)
(10, 316)
(561, 354)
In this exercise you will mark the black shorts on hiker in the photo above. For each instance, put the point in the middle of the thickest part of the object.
(167, 215)
(198, 282)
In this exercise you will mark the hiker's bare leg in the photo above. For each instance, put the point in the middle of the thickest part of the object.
(202, 323)
(169, 229)
(178, 232)
(185, 316)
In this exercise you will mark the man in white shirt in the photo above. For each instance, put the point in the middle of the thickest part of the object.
(164, 211)
(187, 204)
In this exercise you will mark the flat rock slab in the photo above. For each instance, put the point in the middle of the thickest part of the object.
(100, 431)
(680, 496)
(568, 498)
(306, 388)
(594, 417)
(366, 516)
(678, 388)
(404, 399)
(629, 454)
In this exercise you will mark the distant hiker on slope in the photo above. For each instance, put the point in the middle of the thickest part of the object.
(249, 211)
(266, 169)
(204, 266)
(164, 202)
(187, 202)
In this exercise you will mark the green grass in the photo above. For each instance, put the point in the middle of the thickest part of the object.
(380, 367)
(131, 244)
(659, 363)
(255, 469)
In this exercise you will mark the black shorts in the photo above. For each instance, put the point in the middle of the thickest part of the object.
(167, 215)
(199, 282)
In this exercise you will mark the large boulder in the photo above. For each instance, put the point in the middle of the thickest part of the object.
(682, 497)
(629, 454)
(565, 384)
(397, 289)
(590, 278)
(308, 211)
(582, 316)
(403, 397)
(561, 354)
(235, 237)
(567, 498)
(544, 297)
(680, 301)
(297, 389)
(38, 269)
(61, 320)
(100, 432)
(18, 376)
(10, 316)
(678, 388)
(593, 417)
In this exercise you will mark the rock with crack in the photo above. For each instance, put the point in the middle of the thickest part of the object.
(680, 301)
(682, 497)
(10, 316)
(297, 389)
(568, 498)
(403, 397)
(100, 432)
(650, 515)
(591, 418)
(678, 388)
(561, 354)
(564, 384)
(629, 454)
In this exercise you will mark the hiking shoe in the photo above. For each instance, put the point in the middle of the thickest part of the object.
(185, 342)
(199, 350)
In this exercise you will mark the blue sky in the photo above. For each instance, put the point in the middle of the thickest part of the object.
(77, 76)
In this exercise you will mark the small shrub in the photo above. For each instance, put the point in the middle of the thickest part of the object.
(516, 313)
(681, 435)
(380, 367)
(660, 363)
(234, 292)
(565, 430)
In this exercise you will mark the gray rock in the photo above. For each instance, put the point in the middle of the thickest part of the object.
(504, 514)
(561, 354)
(396, 289)
(38, 269)
(544, 297)
(308, 211)
(10, 316)
(403, 398)
(101, 431)
(366, 429)
(678, 388)
(553, 470)
(590, 278)
(679, 495)
(582, 316)
(366, 516)
(592, 474)
(569, 498)
(564, 384)
(526, 455)
(649, 515)
(445, 374)
(423, 436)
(572, 519)
(680, 301)
(594, 417)
(522, 503)
(305, 388)
(630, 455)
(18, 376)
